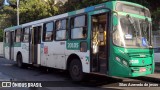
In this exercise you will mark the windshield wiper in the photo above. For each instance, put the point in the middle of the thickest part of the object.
(132, 23)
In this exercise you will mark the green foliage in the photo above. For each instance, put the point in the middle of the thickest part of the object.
(78, 4)
(156, 19)
(1, 2)
(7, 17)
(31, 10)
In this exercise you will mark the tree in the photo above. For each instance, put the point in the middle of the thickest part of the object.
(54, 9)
(7, 17)
(31, 10)
(1, 2)
(79, 4)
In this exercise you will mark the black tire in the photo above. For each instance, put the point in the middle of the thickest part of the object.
(75, 70)
(19, 61)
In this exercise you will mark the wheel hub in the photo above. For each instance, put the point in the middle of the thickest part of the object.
(75, 70)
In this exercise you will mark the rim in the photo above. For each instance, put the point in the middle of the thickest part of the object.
(75, 70)
(19, 61)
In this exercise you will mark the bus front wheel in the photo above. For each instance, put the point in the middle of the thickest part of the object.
(75, 70)
(19, 60)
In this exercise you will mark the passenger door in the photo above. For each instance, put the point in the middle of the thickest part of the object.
(35, 44)
(11, 47)
(99, 22)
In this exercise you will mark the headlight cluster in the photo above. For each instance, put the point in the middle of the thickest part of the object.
(122, 61)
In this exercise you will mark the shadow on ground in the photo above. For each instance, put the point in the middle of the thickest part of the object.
(91, 80)
(151, 79)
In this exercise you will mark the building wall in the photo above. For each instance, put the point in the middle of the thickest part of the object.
(1, 48)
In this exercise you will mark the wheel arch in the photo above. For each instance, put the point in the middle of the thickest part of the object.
(70, 58)
(19, 53)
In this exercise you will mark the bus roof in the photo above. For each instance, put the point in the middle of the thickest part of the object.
(13, 28)
(109, 4)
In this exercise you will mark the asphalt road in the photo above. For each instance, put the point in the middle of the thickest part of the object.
(10, 72)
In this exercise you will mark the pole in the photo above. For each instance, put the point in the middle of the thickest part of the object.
(17, 12)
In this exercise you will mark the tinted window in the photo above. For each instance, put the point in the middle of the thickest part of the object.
(79, 21)
(26, 34)
(48, 32)
(78, 27)
(18, 35)
(61, 24)
(61, 29)
(7, 37)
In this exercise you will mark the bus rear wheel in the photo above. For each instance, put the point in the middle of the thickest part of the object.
(19, 61)
(75, 70)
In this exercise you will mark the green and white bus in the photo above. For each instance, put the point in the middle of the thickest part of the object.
(113, 38)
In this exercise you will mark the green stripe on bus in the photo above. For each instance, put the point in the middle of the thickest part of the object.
(6, 44)
(71, 13)
(75, 44)
(17, 44)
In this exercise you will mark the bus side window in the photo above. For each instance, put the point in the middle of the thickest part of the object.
(18, 35)
(78, 27)
(48, 31)
(25, 37)
(61, 29)
(6, 37)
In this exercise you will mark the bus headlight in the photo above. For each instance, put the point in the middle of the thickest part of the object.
(118, 59)
(124, 62)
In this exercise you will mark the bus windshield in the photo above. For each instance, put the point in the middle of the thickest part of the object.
(133, 33)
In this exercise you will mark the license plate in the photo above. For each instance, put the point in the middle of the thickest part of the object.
(142, 69)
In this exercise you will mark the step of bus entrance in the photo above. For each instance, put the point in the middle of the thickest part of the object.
(36, 65)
